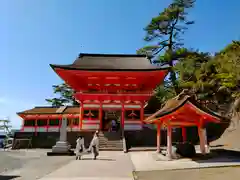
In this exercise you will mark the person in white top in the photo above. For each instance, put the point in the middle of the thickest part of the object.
(80, 148)
(94, 145)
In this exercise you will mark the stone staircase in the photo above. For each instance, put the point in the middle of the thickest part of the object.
(110, 141)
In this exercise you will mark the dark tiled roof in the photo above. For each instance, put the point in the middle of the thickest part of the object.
(175, 103)
(52, 110)
(110, 62)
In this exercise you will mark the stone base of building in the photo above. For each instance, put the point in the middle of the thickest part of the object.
(61, 147)
(134, 139)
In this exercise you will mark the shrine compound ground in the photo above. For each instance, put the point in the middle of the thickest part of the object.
(34, 164)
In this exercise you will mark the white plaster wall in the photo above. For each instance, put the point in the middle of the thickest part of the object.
(90, 126)
(29, 129)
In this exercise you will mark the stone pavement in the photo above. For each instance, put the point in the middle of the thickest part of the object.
(109, 165)
(29, 164)
(149, 161)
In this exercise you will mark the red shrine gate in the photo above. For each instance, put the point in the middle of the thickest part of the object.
(112, 87)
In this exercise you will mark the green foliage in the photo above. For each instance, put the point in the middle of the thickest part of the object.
(164, 30)
(163, 34)
(163, 93)
(65, 95)
(227, 64)
(212, 78)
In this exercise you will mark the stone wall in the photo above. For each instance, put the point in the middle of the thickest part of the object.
(139, 138)
(49, 139)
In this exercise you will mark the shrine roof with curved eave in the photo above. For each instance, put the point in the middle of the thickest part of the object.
(51, 110)
(173, 105)
(110, 62)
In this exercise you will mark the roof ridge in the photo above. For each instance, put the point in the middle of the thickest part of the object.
(61, 109)
(110, 55)
(54, 106)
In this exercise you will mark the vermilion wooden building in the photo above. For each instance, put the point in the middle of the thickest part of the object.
(108, 87)
(104, 83)
(115, 87)
(48, 119)
(181, 112)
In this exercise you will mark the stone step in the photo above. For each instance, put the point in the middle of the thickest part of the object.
(111, 141)
(110, 149)
(110, 144)
(106, 144)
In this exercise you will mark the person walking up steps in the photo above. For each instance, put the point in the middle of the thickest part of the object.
(94, 146)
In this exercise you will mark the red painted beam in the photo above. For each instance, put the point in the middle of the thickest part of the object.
(112, 97)
(51, 116)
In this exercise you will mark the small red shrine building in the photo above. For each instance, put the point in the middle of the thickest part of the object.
(111, 83)
(181, 112)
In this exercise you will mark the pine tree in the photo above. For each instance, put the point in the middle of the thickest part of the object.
(65, 96)
(164, 32)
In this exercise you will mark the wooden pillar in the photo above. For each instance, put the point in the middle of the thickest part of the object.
(81, 116)
(47, 123)
(142, 114)
(201, 138)
(205, 140)
(159, 137)
(71, 123)
(169, 141)
(36, 120)
(184, 134)
(100, 116)
(122, 116)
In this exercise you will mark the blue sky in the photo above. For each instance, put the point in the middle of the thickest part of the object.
(35, 33)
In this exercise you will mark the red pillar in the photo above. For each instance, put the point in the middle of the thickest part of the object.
(122, 116)
(201, 137)
(169, 141)
(71, 122)
(159, 137)
(184, 134)
(81, 116)
(36, 125)
(100, 115)
(60, 123)
(142, 114)
(47, 123)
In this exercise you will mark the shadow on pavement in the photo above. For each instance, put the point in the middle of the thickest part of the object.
(101, 159)
(3, 177)
(219, 156)
(216, 146)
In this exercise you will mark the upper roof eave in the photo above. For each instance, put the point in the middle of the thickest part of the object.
(71, 67)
